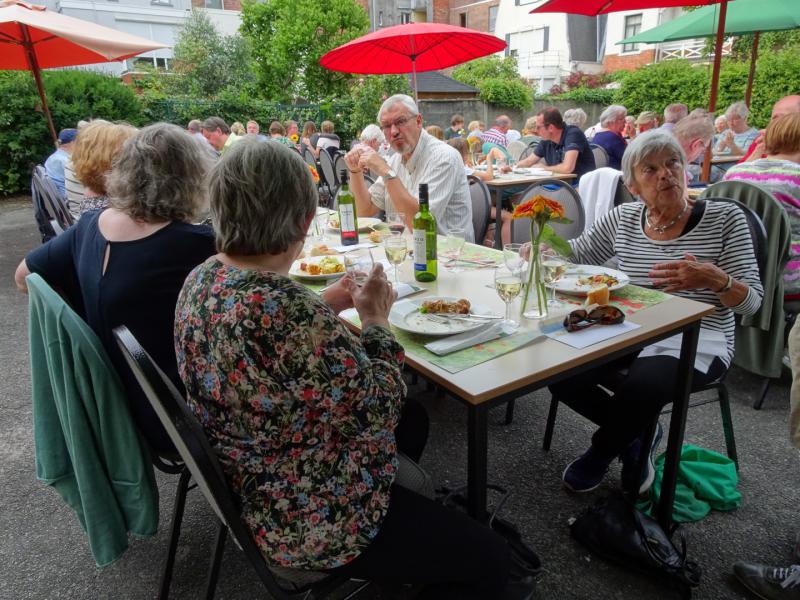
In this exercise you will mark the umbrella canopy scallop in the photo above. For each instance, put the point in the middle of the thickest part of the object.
(591, 8)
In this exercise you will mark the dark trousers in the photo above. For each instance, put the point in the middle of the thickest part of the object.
(637, 397)
(423, 543)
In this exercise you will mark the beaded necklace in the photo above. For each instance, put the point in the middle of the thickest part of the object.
(662, 228)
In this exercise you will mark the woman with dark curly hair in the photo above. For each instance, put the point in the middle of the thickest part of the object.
(125, 265)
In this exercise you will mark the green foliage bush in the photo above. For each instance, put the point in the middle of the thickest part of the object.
(368, 94)
(489, 67)
(71, 96)
(502, 92)
(591, 95)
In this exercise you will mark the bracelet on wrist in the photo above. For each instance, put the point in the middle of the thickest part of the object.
(725, 288)
(356, 171)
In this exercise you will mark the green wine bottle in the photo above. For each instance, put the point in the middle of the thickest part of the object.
(424, 239)
(348, 220)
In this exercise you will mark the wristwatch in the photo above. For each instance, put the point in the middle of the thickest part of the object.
(727, 287)
(390, 174)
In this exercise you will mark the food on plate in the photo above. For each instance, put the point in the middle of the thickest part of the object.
(321, 250)
(377, 236)
(457, 307)
(333, 220)
(597, 279)
(326, 266)
(598, 295)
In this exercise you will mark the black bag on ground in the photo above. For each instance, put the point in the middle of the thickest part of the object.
(615, 530)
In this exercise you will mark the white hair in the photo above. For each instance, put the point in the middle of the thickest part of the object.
(720, 118)
(739, 108)
(372, 132)
(575, 116)
(644, 145)
(403, 99)
(612, 113)
(675, 112)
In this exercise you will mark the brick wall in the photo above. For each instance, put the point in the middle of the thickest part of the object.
(363, 4)
(441, 11)
(232, 5)
(627, 62)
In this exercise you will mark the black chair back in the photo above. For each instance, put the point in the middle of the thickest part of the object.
(527, 152)
(559, 191)
(481, 207)
(623, 194)
(600, 156)
(327, 169)
(339, 164)
(308, 156)
(49, 208)
(201, 460)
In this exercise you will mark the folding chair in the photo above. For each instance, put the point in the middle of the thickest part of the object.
(49, 208)
(202, 466)
(562, 192)
(600, 156)
(481, 207)
(516, 148)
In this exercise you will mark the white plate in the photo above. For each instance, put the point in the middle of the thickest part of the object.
(568, 284)
(405, 315)
(532, 171)
(295, 270)
(364, 224)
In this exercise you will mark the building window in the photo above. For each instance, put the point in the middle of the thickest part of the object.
(492, 17)
(462, 18)
(633, 25)
(380, 18)
(527, 43)
(161, 2)
(405, 17)
(524, 2)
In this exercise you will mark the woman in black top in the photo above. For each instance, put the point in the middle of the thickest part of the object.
(126, 264)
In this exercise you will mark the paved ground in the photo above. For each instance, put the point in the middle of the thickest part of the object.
(43, 552)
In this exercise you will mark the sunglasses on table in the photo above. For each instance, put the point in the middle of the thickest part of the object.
(602, 315)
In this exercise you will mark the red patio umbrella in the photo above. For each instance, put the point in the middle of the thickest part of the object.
(597, 7)
(34, 38)
(410, 48)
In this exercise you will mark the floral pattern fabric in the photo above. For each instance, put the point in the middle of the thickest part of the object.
(300, 411)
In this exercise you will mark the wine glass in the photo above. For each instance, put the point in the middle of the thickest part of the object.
(554, 265)
(508, 285)
(512, 258)
(396, 249)
(455, 244)
(396, 221)
(359, 264)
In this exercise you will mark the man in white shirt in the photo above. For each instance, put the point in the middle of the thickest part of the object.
(419, 158)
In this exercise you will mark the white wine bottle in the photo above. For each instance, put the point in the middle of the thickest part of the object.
(424, 239)
(348, 220)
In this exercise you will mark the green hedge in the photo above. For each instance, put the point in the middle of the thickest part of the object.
(71, 96)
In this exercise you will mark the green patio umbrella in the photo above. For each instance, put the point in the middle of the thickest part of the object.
(743, 17)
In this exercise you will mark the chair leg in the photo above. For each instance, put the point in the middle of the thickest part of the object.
(762, 396)
(727, 424)
(551, 423)
(177, 518)
(510, 411)
(216, 561)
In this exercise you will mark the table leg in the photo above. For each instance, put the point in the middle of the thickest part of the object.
(498, 219)
(477, 463)
(677, 427)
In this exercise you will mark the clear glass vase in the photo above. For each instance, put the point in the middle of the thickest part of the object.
(534, 303)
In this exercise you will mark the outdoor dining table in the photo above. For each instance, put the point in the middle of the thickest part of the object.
(725, 160)
(541, 362)
(508, 180)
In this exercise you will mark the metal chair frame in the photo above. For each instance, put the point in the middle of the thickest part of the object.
(600, 156)
(481, 207)
(49, 208)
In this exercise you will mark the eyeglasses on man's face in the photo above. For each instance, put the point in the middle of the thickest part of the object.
(399, 123)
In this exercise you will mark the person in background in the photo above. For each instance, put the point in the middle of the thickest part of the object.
(419, 158)
(309, 132)
(612, 121)
(126, 264)
(435, 131)
(218, 134)
(74, 188)
(253, 128)
(278, 134)
(496, 135)
(373, 137)
(476, 128)
(238, 129)
(572, 116)
(96, 147)
(779, 173)
(694, 134)
(737, 139)
(456, 128)
(54, 165)
(646, 121)
(292, 130)
(629, 131)
(672, 114)
(327, 140)
(563, 148)
(720, 126)
(512, 135)
(784, 106)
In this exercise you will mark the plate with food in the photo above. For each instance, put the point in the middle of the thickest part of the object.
(318, 267)
(439, 315)
(364, 223)
(580, 279)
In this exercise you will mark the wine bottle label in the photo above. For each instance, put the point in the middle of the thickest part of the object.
(420, 254)
(347, 218)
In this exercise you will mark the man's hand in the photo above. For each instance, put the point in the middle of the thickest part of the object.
(373, 162)
(353, 156)
(687, 274)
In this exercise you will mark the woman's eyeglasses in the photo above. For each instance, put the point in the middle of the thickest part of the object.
(602, 315)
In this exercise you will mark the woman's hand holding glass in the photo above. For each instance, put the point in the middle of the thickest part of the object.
(359, 263)
(508, 285)
(373, 300)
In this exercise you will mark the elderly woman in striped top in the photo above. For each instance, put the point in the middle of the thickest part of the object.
(698, 250)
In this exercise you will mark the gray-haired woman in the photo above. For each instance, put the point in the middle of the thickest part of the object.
(125, 265)
(698, 250)
(612, 121)
(737, 139)
(305, 415)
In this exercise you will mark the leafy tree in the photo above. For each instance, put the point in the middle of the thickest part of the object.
(288, 37)
(207, 62)
(368, 94)
(488, 67)
(506, 93)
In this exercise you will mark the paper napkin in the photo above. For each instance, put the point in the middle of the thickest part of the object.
(467, 339)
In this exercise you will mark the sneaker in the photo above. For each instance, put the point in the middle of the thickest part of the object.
(585, 472)
(630, 463)
(770, 583)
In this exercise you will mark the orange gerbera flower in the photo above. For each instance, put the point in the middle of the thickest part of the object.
(538, 207)
(314, 174)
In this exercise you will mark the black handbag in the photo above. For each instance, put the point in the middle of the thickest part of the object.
(616, 530)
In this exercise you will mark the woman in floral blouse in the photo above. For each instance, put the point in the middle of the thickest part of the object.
(303, 413)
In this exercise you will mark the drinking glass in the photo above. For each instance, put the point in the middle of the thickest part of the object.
(359, 263)
(396, 249)
(508, 285)
(396, 221)
(554, 265)
(512, 258)
(455, 244)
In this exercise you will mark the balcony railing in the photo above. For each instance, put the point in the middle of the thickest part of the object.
(689, 49)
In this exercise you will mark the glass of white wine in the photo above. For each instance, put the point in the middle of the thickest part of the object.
(396, 249)
(359, 264)
(508, 285)
(554, 265)
(455, 244)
